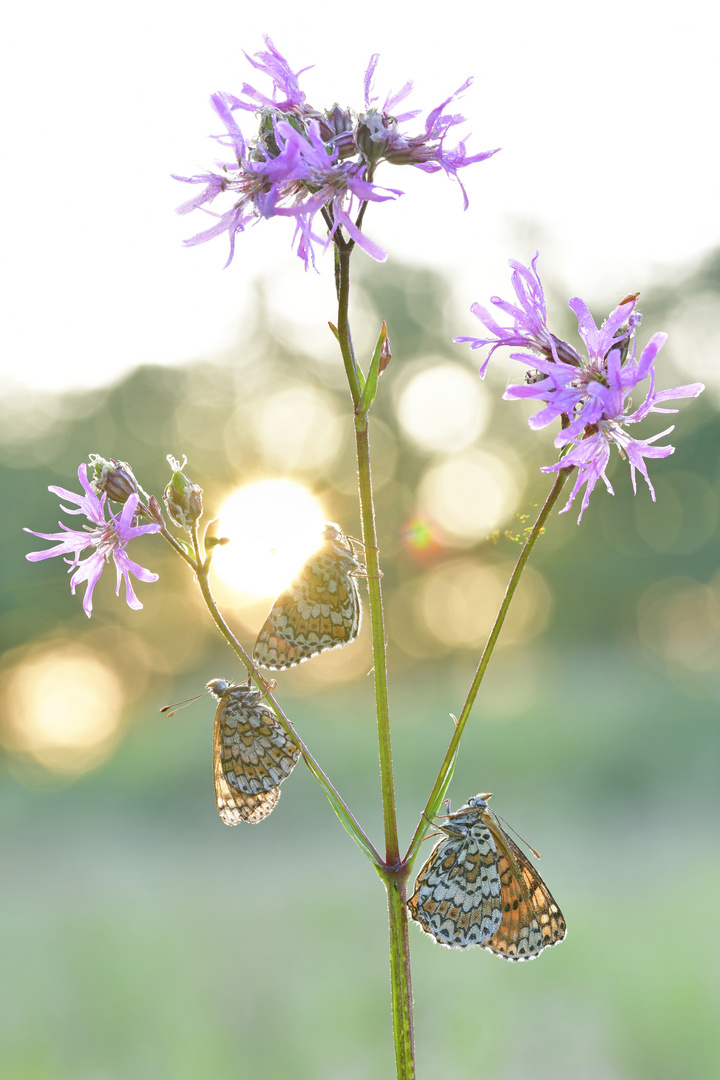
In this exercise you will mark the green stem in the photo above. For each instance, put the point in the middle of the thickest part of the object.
(342, 282)
(394, 873)
(342, 810)
(402, 1010)
(537, 529)
(177, 547)
(377, 624)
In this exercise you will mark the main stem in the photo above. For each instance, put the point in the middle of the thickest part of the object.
(395, 873)
(377, 621)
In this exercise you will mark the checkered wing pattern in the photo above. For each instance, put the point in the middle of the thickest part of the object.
(531, 919)
(457, 892)
(321, 610)
(478, 888)
(252, 754)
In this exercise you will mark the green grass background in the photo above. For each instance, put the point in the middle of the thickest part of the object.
(141, 939)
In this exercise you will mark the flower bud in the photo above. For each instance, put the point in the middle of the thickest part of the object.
(385, 355)
(566, 354)
(182, 498)
(625, 334)
(266, 144)
(114, 477)
(373, 136)
(411, 151)
(336, 127)
(216, 541)
(155, 510)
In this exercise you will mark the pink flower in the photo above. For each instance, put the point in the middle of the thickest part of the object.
(106, 538)
(589, 394)
(309, 164)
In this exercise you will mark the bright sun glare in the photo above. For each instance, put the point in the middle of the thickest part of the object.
(273, 526)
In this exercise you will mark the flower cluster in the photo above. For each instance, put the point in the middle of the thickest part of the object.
(589, 393)
(107, 537)
(304, 162)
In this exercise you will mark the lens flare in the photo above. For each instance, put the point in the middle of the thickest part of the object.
(273, 527)
(64, 707)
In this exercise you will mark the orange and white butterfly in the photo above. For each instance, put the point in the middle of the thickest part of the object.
(320, 610)
(252, 753)
(477, 888)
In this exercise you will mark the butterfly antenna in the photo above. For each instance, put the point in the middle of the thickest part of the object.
(510, 829)
(172, 709)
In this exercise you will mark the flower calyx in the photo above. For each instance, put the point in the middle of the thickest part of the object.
(114, 478)
(182, 498)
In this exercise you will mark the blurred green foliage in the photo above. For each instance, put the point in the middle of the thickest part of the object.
(143, 939)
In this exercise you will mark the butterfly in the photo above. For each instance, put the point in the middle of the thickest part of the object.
(478, 888)
(252, 753)
(321, 610)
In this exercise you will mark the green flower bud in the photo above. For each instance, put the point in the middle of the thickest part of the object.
(182, 498)
(372, 136)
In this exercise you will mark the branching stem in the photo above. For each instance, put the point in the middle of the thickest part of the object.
(535, 532)
(201, 568)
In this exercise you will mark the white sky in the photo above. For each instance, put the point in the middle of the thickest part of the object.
(608, 116)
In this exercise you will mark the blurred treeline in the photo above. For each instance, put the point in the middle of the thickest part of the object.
(597, 725)
(270, 410)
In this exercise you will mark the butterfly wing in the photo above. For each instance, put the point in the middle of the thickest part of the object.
(252, 755)
(235, 806)
(321, 610)
(531, 920)
(457, 893)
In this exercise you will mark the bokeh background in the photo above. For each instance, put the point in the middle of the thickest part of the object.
(140, 936)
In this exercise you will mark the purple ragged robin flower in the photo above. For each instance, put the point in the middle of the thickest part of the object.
(286, 92)
(426, 151)
(335, 188)
(304, 178)
(106, 538)
(529, 323)
(590, 393)
(304, 162)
